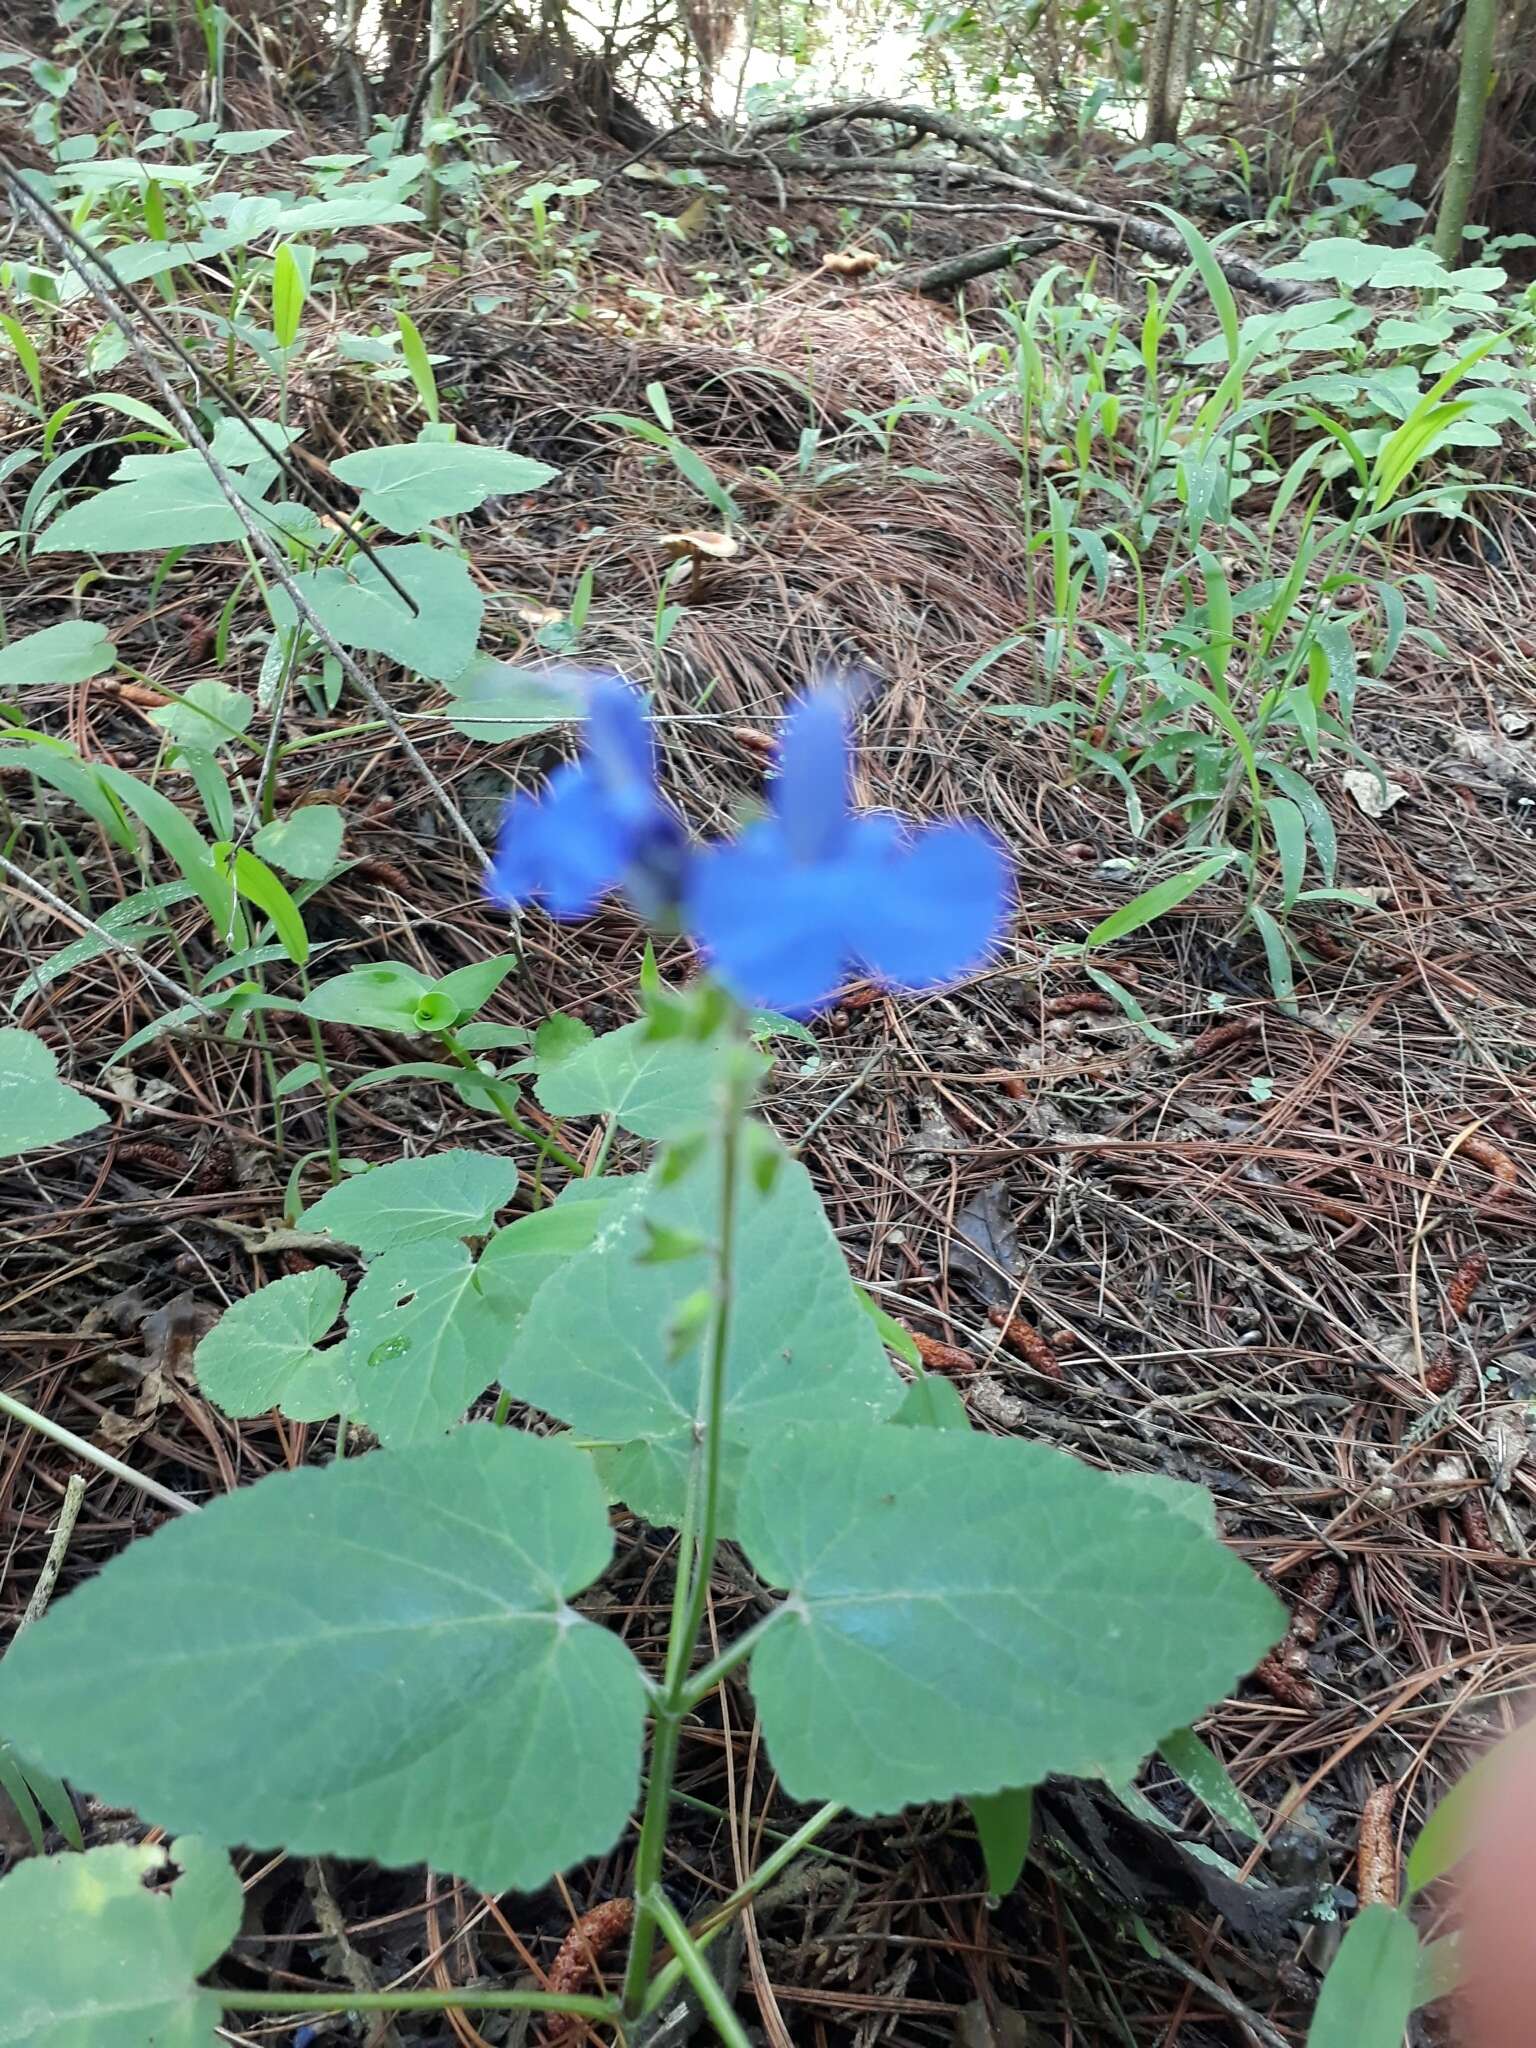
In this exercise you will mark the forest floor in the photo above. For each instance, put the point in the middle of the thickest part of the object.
(1290, 1259)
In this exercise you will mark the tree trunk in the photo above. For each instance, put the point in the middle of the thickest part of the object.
(1258, 46)
(1477, 32)
(437, 103)
(1170, 48)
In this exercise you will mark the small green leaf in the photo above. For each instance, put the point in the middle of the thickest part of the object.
(361, 610)
(406, 487)
(419, 363)
(288, 293)
(1290, 833)
(940, 1579)
(1209, 1779)
(424, 1341)
(382, 998)
(1157, 901)
(1005, 1822)
(1369, 1991)
(71, 652)
(931, 1402)
(446, 1195)
(1444, 1837)
(305, 844)
(373, 1659)
(257, 883)
(263, 1351)
(206, 716)
(654, 1087)
(893, 1335)
(92, 1958)
(36, 1107)
(493, 700)
(470, 988)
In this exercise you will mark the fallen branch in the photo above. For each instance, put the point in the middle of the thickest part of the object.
(1002, 167)
(959, 270)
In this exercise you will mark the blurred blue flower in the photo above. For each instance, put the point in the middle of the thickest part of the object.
(815, 891)
(600, 824)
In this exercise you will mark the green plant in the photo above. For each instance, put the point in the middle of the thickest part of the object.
(748, 1396)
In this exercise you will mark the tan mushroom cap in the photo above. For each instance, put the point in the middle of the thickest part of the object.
(716, 547)
(536, 615)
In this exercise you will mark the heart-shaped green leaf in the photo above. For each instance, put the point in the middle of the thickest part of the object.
(361, 610)
(446, 1195)
(653, 1086)
(263, 1352)
(305, 844)
(423, 1341)
(941, 1580)
(372, 1659)
(71, 652)
(602, 1347)
(407, 486)
(36, 1107)
(91, 1958)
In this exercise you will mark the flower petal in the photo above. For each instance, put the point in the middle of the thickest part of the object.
(811, 791)
(927, 912)
(772, 928)
(620, 747)
(566, 847)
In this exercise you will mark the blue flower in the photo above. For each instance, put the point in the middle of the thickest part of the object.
(600, 825)
(815, 890)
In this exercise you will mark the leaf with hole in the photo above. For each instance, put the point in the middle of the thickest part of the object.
(408, 1201)
(264, 1351)
(407, 486)
(423, 1339)
(596, 1347)
(91, 1957)
(373, 1659)
(360, 610)
(71, 652)
(36, 1107)
(1063, 1619)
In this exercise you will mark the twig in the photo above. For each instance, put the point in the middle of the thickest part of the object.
(60, 231)
(56, 1433)
(958, 270)
(449, 51)
(47, 1578)
(117, 941)
(61, 237)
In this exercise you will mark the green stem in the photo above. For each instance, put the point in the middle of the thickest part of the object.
(720, 1918)
(689, 1608)
(508, 1115)
(56, 1433)
(711, 1996)
(415, 2001)
(703, 1683)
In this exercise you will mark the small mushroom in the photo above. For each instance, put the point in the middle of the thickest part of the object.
(697, 547)
(535, 616)
(850, 263)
